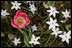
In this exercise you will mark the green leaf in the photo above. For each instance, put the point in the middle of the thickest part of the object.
(50, 3)
(68, 26)
(11, 11)
(30, 36)
(26, 41)
(30, 33)
(22, 31)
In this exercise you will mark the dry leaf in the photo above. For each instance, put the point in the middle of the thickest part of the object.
(10, 36)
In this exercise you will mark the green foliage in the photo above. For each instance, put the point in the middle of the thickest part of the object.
(26, 41)
(49, 3)
(68, 26)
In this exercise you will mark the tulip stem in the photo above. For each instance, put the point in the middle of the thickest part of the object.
(21, 31)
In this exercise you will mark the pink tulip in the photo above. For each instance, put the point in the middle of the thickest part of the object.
(20, 20)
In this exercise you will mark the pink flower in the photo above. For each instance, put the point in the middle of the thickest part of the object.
(20, 20)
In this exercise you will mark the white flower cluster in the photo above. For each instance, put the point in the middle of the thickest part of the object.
(53, 23)
(16, 6)
(66, 15)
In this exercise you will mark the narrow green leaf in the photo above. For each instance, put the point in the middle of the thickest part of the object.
(50, 3)
(68, 26)
(27, 38)
(26, 42)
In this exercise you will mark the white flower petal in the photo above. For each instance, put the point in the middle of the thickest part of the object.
(50, 27)
(61, 36)
(37, 43)
(48, 10)
(15, 44)
(37, 38)
(31, 42)
(16, 41)
(12, 3)
(51, 19)
(63, 40)
(66, 14)
(53, 27)
(48, 22)
(15, 5)
(19, 3)
(64, 33)
(50, 14)
(67, 41)
(56, 11)
(33, 36)
(34, 28)
(12, 7)
(54, 14)
(32, 8)
(34, 40)
(51, 7)
(56, 24)
(52, 11)
(69, 33)
(63, 12)
(62, 21)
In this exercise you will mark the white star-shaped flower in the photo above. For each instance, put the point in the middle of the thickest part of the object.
(52, 23)
(53, 11)
(34, 40)
(4, 13)
(32, 8)
(34, 28)
(56, 32)
(66, 14)
(15, 5)
(16, 41)
(63, 21)
(29, 1)
(66, 37)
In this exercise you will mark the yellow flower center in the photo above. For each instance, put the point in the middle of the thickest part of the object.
(65, 36)
(34, 40)
(52, 23)
(20, 21)
(16, 42)
(65, 14)
(52, 10)
(32, 6)
(15, 5)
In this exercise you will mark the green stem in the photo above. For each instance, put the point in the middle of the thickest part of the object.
(39, 16)
(53, 40)
(21, 31)
(23, 46)
(32, 45)
(24, 8)
(7, 44)
(59, 24)
(45, 19)
(61, 27)
(48, 40)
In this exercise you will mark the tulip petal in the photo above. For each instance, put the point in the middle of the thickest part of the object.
(27, 22)
(13, 24)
